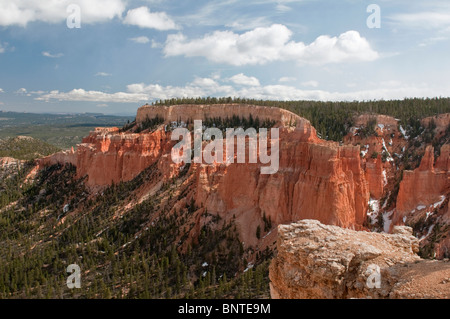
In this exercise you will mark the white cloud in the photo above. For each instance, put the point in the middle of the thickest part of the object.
(143, 18)
(285, 79)
(311, 83)
(21, 91)
(93, 96)
(54, 56)
(2, 49)
(202, 87)
(263, 45)
(423, 20)
(141, 40)
(102, 74)
(242, 79)
(157, 44)
(22, 12)
(1, 90)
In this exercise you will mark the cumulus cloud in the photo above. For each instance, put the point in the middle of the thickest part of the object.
(202, 87)
(53, 56)
(263, 45)
(141, 40)
(143, 18)
(93, 96)
(21, 91)
(22, 12)
(242, 79)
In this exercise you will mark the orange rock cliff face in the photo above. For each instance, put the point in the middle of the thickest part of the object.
(107, 156)
(316, 179)
(424, 186)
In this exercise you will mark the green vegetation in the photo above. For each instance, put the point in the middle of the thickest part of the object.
(143, 254)
(236, 122)
(25, 148)
(149, 124)
(148, 249)
(332, 120)
(60, 130)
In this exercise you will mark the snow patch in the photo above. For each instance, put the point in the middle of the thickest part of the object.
(249, 266)
(428, 233)
(439, 203)
(387, 221)
(267, 234)
(403, 131)
(389, 158)
(374, 210)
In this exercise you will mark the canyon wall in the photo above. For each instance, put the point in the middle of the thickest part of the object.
(329, 262)
(425, 185)
(107, 156)
(319, 181)
(316, 179)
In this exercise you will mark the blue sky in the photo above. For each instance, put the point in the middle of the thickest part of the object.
(129, 52)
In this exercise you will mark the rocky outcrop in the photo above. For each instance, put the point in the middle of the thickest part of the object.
(320, 261)
(321, 181)
(107, 156)
(69, 156)
(316, 179)
(376, 178)
(425, 185)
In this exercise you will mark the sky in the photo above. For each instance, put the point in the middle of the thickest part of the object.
(112, 56)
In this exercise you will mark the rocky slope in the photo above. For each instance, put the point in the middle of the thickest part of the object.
(320, 261)
(354, 185)
(316, 179)
(408, 177)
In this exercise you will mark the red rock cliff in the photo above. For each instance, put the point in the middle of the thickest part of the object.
(316, 179)
(107, 156)
(425, 185)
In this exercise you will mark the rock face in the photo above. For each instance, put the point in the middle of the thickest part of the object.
(320, 261)
(374, 175)
(61, 157)
(320, 181)
(425, 185)
(107, 156)
(316, 179)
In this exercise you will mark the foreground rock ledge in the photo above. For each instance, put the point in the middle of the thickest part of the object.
(329, 262)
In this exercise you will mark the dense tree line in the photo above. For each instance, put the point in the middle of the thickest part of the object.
(332, 120)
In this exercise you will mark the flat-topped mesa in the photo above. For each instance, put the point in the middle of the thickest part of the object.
(189, 112)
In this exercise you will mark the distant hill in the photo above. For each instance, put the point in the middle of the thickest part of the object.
(25, 148)
(61, 130)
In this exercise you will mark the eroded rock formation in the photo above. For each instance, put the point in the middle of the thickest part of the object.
(107, 156)
(316, 179)
(425, 185)
(320, 261)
